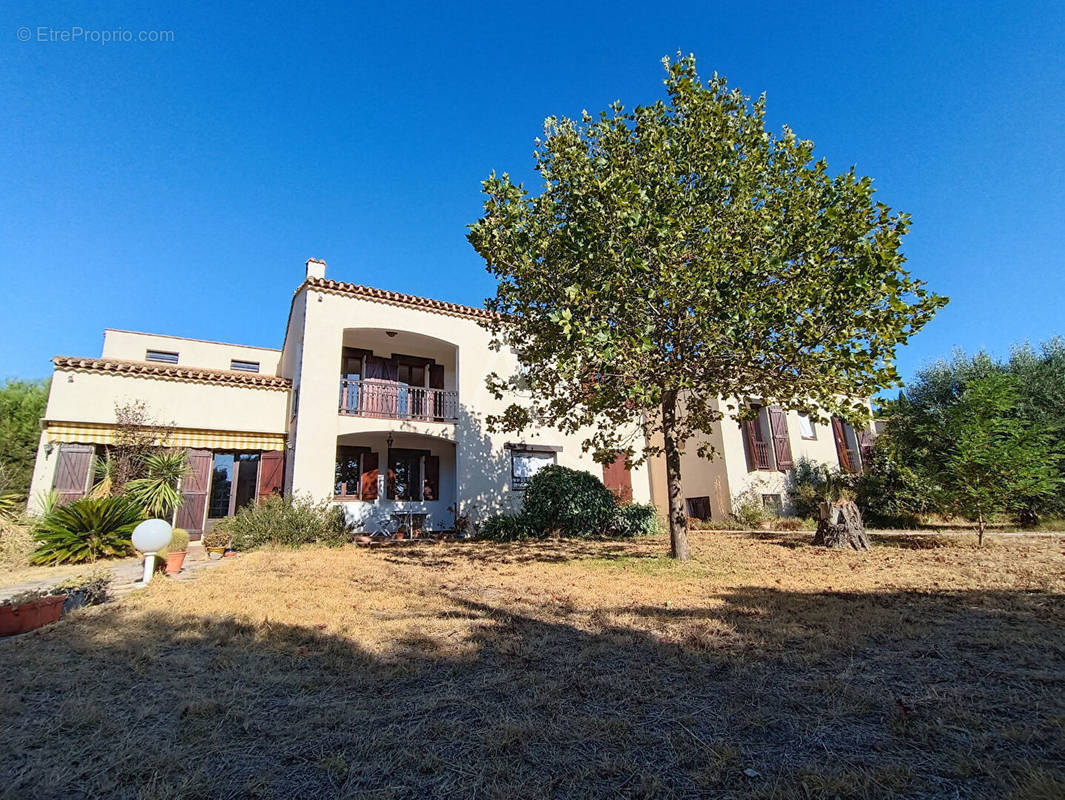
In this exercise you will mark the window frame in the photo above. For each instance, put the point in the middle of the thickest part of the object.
(247, 366)
(813, 427)
(162, 356)
(519, 483)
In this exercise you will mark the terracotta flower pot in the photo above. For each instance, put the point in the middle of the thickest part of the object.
(31, 615)
(174, 562)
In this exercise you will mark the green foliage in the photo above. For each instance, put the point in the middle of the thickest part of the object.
(87, 530)
(678, 253)
(917, 447)
(634, 519)
(808, 486)
(995, 461)
(157, 491)
(21, 408)
(567, 502)
(286, 521)
(504, 528)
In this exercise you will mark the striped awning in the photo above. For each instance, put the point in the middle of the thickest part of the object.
(94, 433)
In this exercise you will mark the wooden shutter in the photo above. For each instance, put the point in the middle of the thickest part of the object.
(432, 478)
(194, 488)
(72, 471)
(369, 476)
(778, 425)
(271, 473)
(618, 479)
(757, 450)
(841, 443)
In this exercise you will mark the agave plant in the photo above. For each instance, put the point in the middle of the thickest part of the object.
(86, 530)
(157, 492)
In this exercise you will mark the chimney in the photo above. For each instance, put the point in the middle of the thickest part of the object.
(315, 268)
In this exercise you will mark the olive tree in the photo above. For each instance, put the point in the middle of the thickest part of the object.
(679, 253)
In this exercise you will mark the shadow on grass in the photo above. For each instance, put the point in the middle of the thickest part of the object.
(765, 693)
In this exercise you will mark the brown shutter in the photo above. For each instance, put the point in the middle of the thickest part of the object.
(194, 492)
(431, 490)
(841, 443)
(757, 451)
(778, 424)
(72, 471)
(369, 476)
(271, 473)
(618, 479)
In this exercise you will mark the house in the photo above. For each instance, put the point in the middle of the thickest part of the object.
(376, 400)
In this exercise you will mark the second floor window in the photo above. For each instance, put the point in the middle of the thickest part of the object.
(244, 366)
(164, 356)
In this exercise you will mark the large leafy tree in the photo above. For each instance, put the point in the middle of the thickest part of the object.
(679, 253)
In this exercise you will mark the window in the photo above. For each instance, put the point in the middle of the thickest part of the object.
(161, 355)
(244, 366)
(524, 464)
(413, 475)
(806, 427)
(756, 440)
(773, 503)
(698, 507)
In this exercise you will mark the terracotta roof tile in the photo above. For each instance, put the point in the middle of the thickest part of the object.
(397, 298)
(171, 372)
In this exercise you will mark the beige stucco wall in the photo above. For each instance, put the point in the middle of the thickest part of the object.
(92, 396)
(482, 460)
(132, 346)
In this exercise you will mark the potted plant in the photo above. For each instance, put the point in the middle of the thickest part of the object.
(175, 556)
(215, 541)
(29, 610)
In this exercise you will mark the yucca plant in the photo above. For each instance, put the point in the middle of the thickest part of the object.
(157, 492)
(104, 473)
(87, 530)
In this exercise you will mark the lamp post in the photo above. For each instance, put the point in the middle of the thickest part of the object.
(150, 537)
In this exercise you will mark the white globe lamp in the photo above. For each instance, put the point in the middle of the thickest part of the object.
(150, 537)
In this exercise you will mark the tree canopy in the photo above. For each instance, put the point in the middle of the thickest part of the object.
(679, 253)
(22, 405)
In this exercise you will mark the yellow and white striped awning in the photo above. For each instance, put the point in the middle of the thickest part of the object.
(95, 433)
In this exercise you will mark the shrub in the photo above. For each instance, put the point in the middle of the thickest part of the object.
(287, 521)
(809, 486)
(504, 528)
(634, 520)
(179, 540)
(86, 530)
(567, 502)
(748, 510)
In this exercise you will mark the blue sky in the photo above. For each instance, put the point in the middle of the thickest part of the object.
(178, 187)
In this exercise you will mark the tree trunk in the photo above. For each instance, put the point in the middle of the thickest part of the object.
(841, 527)
(980, 535)
(678, 522)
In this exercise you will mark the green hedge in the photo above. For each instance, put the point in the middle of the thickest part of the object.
(634, 520)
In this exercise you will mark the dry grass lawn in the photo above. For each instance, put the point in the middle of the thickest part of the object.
(764, 668)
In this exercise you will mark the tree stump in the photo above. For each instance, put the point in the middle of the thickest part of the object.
(841, 527)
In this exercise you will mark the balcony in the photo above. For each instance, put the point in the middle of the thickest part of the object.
(371, 397)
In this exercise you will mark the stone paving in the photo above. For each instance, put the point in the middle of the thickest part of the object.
(126, 573)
